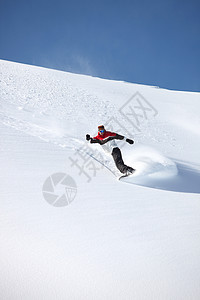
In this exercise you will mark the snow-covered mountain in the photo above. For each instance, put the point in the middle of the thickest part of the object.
(131, 239)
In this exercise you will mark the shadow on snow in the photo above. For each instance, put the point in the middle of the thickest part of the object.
(186, 181)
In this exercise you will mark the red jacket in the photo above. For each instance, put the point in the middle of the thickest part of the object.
(106, 134)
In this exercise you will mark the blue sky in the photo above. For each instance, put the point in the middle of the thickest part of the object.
(151, 42)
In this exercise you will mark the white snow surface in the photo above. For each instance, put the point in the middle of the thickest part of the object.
(137, 238)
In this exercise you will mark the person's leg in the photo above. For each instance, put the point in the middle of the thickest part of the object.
(117, 156)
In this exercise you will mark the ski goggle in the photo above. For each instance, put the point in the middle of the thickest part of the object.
(102, 130)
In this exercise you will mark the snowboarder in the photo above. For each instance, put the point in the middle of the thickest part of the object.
(104, 137)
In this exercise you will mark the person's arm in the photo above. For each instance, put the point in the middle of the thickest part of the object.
(97, 141)
(121, 137)
(92, 140)
(113, 137)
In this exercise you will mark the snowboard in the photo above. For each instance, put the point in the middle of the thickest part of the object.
(126, 175)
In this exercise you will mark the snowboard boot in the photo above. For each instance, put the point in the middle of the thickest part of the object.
(130, 171)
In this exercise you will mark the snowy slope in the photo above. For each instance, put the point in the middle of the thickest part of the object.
(137, 239)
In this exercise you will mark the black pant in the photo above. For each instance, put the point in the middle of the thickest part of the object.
(117, 156)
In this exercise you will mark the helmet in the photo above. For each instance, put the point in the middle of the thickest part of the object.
(101, 127)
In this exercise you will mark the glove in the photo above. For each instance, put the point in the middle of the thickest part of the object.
(129, 141)
(88, 137)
